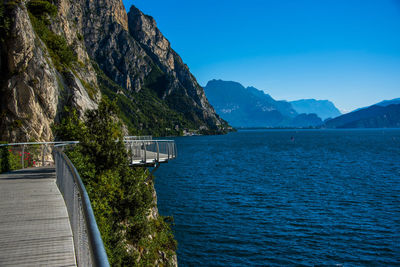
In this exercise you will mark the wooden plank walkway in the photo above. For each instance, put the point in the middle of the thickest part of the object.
(34, 224)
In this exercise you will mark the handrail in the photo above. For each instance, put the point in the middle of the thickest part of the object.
(34, 154)
(147, 140)
(138, 137)
(150, 152)
(42, 143)
(97, 253)
(88, 245)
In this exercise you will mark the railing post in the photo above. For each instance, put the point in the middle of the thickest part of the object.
(145, 151)
(131, 151)
(22, 156)
(158, 152)
(168, 149)
(43, 155)
(175, 150)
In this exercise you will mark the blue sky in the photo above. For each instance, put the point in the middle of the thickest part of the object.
(347, 51)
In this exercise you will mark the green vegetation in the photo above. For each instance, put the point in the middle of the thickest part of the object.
(8, 161)
(89, 89)
(41, 8)
(121, 199)
(5, 18)
(10, 158)
(143, 112)
(40, 12)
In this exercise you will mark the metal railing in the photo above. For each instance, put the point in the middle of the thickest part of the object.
(30, 154)
(150, 152)
(89, 248)
(138, 137)
(88, 245)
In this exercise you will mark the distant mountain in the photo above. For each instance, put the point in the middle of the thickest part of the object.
(283, 107)
(250, 107)
(376, 116)
(383, 103)
(323, 108)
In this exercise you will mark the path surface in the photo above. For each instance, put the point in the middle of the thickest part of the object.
(34, 224)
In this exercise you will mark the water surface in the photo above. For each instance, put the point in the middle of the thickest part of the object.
(285, 197)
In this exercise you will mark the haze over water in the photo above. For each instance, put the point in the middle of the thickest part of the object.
(285, 197)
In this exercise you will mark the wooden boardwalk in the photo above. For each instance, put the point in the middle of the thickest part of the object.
(34, 224)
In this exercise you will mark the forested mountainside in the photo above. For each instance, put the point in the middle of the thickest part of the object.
(69, 53)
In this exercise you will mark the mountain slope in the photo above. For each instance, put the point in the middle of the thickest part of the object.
(323, 108)
(371, 117)
(250, 107)
(69, 53)
(385, 103)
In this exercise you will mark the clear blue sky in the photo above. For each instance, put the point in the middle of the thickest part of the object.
(347, 51)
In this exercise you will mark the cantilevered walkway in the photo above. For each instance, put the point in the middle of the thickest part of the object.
(46, 218)
(34, 223)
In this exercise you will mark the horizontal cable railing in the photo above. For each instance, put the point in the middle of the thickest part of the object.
(142, 152)
(29, 154)
(89, 248)
(138, 137)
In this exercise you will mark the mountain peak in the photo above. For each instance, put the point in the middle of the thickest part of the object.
(251, 107)
(85, 49)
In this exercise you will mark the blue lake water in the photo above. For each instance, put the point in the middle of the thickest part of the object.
(285, 197)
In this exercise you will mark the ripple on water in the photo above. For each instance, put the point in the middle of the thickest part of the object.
(332, 197)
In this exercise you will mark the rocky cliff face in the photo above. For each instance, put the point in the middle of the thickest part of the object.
(33, 90)
(70, 53)
(51, 58)
(144, 29)
(131, 50)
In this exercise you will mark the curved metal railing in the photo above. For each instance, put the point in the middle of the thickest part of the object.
(150, 152)
(89, 247)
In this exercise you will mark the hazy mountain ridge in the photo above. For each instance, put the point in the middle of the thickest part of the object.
(383, 103)
(323, 108)
(250, 107)
(376, 116)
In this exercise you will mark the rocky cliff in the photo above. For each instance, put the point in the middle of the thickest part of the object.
(36, 82)
(58, 54)
(68, 53)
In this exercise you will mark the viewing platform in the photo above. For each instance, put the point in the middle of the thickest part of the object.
(144, 151)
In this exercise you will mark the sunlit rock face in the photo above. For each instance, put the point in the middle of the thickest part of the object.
(127, 47)
(32, 89)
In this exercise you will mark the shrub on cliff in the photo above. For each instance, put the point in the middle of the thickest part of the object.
(40, 13)
(120, 198)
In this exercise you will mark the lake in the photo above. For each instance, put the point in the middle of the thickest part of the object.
(285, 197)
